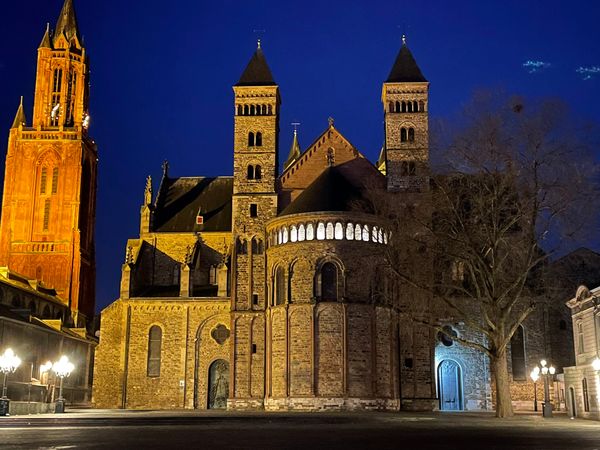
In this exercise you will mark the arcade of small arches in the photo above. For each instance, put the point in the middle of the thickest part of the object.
(327, 231)
(254, 110)
(406, 106)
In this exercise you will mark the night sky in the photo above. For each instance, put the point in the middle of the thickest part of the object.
(162, 73)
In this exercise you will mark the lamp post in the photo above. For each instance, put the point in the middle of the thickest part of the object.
(62, 368)
(596, 364)
(535, 375)
(8, 364)
(546, 373)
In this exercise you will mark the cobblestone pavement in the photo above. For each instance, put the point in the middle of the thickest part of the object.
(96, 429)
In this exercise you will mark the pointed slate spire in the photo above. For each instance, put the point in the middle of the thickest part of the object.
(405, 68)
(46, 41)
(294, 152)
(67, 22)
(20, 118)
(257, 72)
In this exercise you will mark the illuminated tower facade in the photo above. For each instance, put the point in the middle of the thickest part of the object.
(49, 197)
(256, 129)
(405, 97)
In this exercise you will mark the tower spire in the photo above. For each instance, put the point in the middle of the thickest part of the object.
(20, 118)
(46, 41)
(294, 150)
(67, 22)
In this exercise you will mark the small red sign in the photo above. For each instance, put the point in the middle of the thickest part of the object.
(199, 220)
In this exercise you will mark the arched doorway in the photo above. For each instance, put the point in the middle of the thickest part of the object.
(218, 384)
(572, 404)
(450, 386)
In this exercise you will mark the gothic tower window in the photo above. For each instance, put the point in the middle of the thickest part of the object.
(252, 110)
(586, 397)
(410, 106)
(240, 110)
(246, 110)
(580, 338)
(43, 180)
(251, 139)
(253, 210)
(257, 246)
(411, 135)
(403, 135)
(259, 139)
(154, 349)
(250, 174)
(55, 180)
(257, 173)
(415, 106)
(391, 107)
(398, 108)
(56, 91)
(46, 222)
(241, 247)
(403, 106)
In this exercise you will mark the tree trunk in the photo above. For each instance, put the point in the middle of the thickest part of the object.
(503, 401)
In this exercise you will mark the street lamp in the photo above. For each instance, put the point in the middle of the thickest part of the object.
(62, 368)
(596, 364)
(535, 375)
(8, 364)
(546, 372)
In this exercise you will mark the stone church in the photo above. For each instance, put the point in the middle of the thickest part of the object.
(249, 291)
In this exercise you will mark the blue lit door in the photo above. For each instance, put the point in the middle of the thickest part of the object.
(450, 386)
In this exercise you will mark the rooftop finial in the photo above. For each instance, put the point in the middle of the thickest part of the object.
(21, 101)
(258, 44)
(331, 121)
(295, 125)
(165, 168)
(403, 39)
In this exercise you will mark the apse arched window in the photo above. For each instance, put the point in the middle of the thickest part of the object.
(301, 233)
(251, 139)
(321, 231)
(285, 235)
(250, 174)
(294, 234)
(329, 282)
(339, 231)
(517, 350)
(411, 135)
(310, 232)
(374, 232)
(279, 286)
(357, 233)
(350, 232)
(257, 173)
(403, 135)
(329, 231)
(259, 139)
(365, 234)
(154, 349)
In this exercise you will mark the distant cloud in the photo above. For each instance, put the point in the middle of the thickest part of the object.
(534, 66)
(588, 72)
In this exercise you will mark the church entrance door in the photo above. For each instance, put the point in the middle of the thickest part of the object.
(450, 386)
(218, 384)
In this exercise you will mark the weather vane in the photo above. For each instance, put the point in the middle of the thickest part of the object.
(295, 125)
(260, 33)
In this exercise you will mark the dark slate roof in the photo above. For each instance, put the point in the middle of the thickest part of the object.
(405, 68)
(257, 72)
(67, 22)
(338, 189)
(181, 199)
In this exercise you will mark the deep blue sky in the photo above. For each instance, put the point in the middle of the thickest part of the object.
(162, 73)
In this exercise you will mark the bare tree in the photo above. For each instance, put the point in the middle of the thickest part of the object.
(515, 181)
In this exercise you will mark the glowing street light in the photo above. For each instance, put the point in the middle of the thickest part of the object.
(596, 364)
(535, 375)
(9, 362)
(546, 371)
(62, 368)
